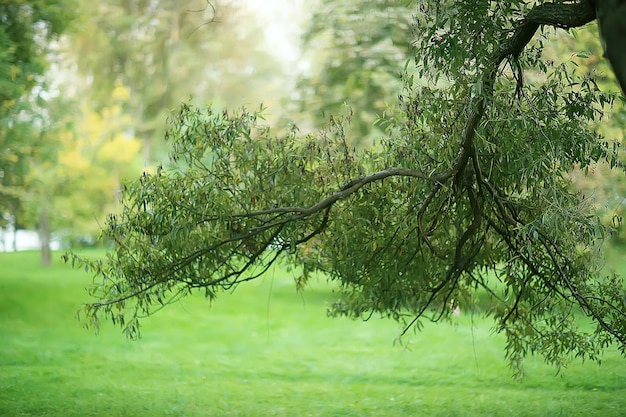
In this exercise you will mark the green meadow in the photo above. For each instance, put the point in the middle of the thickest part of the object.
(267, 350)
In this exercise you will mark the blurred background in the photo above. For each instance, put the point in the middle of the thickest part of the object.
(86, 88)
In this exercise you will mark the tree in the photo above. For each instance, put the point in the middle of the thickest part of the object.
(70, 191)
(26, 29)
(468, 192)
(166, 51)
(611, 15)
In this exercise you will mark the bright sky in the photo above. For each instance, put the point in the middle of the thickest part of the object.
(283, 24)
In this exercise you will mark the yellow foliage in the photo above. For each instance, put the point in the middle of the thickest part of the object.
(120, 93)
(72, 160)
(94, 154)
(7, 104)
(122, 149)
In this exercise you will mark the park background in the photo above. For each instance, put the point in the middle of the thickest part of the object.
(95, 113)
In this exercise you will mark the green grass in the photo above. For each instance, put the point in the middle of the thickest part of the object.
(265, 351)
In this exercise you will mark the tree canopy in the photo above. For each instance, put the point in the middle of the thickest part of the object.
(26, 27)
(167, 51)
(468, 191)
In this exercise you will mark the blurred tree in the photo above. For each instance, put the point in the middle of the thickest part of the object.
(26, 29)
(72, 191)
(468, 193)
(19, 141)
(358, 50)
(165, 51)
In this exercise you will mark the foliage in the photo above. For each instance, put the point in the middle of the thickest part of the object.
(605, 186)
(79, 185)
(26, 27)
(278, 345)
(358, 49)
(164, 52)
(20, 142)
(468, 191)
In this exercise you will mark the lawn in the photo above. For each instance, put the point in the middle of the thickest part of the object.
(266, 350)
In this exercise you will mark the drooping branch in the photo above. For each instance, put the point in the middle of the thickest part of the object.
(443, 218)
(563, 14)
(558, 14)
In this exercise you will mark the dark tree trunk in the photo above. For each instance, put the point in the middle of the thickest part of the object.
(612, 23)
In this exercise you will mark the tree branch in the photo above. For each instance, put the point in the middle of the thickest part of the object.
(563, 14)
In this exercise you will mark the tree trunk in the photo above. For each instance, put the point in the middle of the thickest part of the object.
(44, 237)
(612, 23)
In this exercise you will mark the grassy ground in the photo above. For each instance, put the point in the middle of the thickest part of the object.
(265, 351)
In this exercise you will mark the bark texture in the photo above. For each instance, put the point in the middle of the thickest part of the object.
(612, 22)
